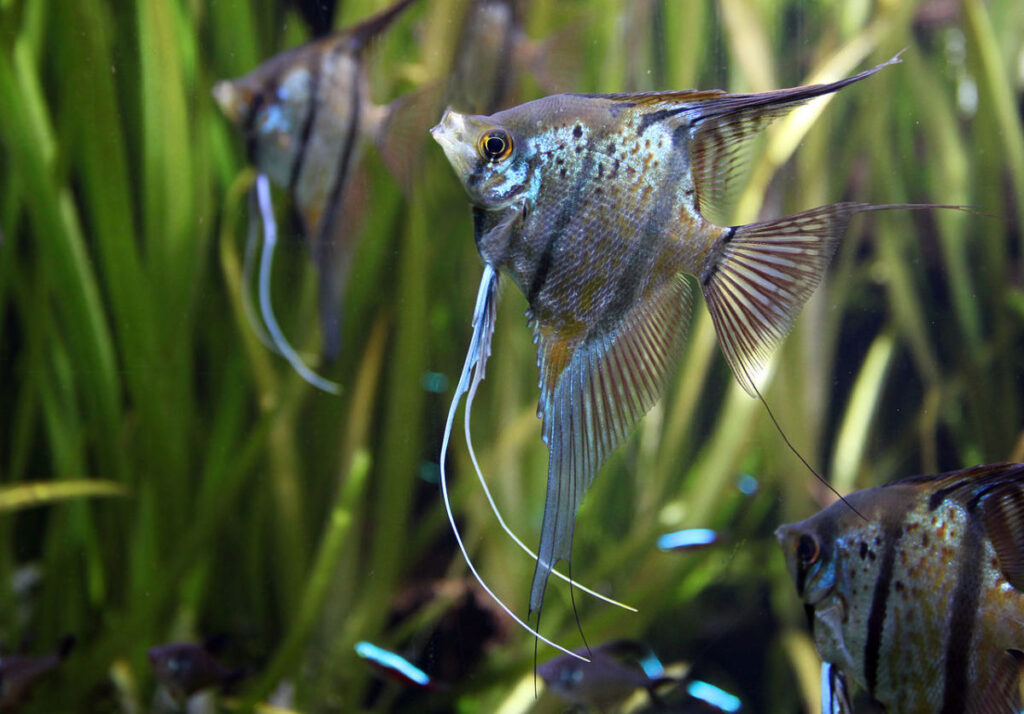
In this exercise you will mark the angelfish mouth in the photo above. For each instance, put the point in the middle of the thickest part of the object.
(446, 132)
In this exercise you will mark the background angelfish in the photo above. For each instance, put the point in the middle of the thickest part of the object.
(595, 206)
(921, 602)
(493, 50)
(306, 115)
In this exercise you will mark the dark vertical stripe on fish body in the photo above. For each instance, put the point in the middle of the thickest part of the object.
(892, 532)
(963, 612)
(643, 252)
(343, 164)
(540, 275)
(249, 129)
(307, 127)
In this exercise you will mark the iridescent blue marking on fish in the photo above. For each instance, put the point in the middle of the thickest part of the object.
(652, 666)
(434, 382)
(687, 538)
(747, 485)
(393, 662)
(714, 696)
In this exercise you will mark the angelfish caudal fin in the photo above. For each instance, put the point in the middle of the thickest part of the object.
(759, 276)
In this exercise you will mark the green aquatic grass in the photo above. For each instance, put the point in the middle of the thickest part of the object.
(184, 482)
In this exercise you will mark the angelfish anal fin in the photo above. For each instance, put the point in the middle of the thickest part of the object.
(594, 390)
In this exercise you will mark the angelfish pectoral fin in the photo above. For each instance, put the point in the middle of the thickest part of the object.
(593, 392)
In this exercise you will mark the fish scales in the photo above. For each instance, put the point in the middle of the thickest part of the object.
(914, 602)
(593, 239)
(596, 206)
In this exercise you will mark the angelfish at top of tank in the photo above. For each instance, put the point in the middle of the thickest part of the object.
(595, 207)
(306, 115)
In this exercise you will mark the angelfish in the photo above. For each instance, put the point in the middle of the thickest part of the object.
(306, 115)
(595, 206)
(921, 601)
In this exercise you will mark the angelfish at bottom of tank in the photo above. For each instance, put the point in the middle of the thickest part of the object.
(596, 206)
(921, 602)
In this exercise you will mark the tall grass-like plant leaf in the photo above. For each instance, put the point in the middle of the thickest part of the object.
(223, 495)
(26, 136)
(43, 493)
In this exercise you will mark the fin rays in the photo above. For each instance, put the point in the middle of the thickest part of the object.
(476, 359)
(590, 406)
(473, 372)
(764, 275)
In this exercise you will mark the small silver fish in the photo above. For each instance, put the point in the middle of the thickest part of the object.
(184, 668)
(306, 116)
(18, 673)
(595, 206)
(921, 600)
(615, 670)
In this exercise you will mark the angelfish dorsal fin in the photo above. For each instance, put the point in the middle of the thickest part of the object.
(594, 390)
(723, 127)
(1002, 509)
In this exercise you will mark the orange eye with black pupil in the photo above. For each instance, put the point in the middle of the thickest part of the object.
(807, 550)
(495, 145)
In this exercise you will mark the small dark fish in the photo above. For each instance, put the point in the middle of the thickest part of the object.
(595, 206)
(18, 673)
(688, 539)
(394, 666)
(614, 672)
(306, 115)
(921, 602)
(185, 668)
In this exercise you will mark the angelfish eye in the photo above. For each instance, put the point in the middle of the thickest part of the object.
(495, 145)
(807, 550)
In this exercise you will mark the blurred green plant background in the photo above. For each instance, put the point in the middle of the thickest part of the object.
(164, 477)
